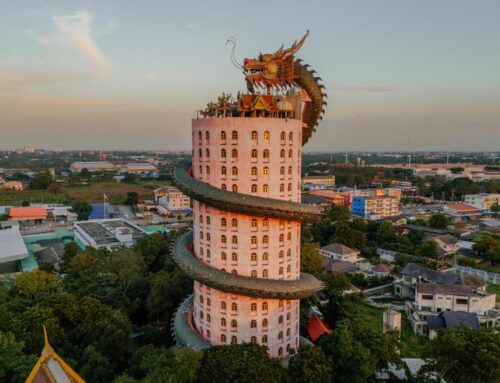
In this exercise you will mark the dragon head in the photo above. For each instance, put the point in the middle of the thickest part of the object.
(272, 69)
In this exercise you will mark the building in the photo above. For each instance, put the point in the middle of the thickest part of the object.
(340, 252)
(138, 168)
(327, 181)
(50, 367)
(12, 250)
(176, 201)
(28, 214)
(98, 166)
(450, 319)
(311, 199)
(482, 201)
(334, 197)
(111, 234)
(460, 209)
(12, 185)
(391, 320)
(316, 328)
(447, 243)
(312, 187)
(375, 207)
(101, 211)
(162, 191)
(244, 250)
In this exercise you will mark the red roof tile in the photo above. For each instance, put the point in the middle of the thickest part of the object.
(27, 212)
(316, 327)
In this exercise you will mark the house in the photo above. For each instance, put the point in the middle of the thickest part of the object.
(162, 191)
(381, 270)
(375, 207)
(176, 201)
(339, 267)
(447, 243)
(340, 252)
(482, 201)
(460, 209)
(334, 197)
(450, 319)
(316, 328)
(12, 185)
(312, 199)
(28, 214)
(12, 250)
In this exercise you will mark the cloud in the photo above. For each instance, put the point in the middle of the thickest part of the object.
(74, 30)
(370, 89)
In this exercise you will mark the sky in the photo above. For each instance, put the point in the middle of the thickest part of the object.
(127, 74)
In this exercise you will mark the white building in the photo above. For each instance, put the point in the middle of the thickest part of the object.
(111, 234)
(175, 201)
(482, 201)
(447, 243)
(12, 250)
(340, 252)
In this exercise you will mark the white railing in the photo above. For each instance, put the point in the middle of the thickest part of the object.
(487, 276)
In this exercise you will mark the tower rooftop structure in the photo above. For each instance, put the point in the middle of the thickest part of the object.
(245, 181)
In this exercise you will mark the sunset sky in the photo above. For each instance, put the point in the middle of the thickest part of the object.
(117, 74)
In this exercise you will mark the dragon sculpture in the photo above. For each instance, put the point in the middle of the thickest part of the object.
(280, 70)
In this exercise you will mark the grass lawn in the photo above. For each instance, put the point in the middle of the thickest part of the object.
(492, 288)
(116, 192)
(16, 198)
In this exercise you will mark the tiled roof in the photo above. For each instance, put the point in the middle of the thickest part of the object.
(338, 248)
(27, 212)
(425, 274)
(436, 288)
(449, 319)
(447, 239)
(316, 327)
(341, 266)
(462, 207)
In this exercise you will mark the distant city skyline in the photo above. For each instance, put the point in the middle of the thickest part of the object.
(127, 75)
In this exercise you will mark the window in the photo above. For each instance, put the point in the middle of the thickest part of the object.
(254, 221)
(282, 136)
(265, 256)
(289, 236)
(289, 269)
(199, 136)
(254, 188)
(223, 135)
(223, 338)
(223, 222)
(264, 306)
(265, 273)
(266, 135)
(223, 170)
(208, 301)
(253, 307)
(234, 307)
(282, 254)
(254, 171)
(265, 222)
(288, 316)
(280, 335)
(223, 187)
(282, 171)
(253, 240)
(289, 187)
(427, 297)
(281, 271)
(280, 319)
(253, 274)
(234, 222)
(207, 152)
(462, 301)
(234, 171)
(265, 239)
(234, 340)
(223, 239)
(208, 220)
(290, 153)
(201, 169)
(234, 257)
(234, 188)
(234, 153)
(253, 323)
(201, 298)
(208, 253)
(201, 219)
(200, 153)
(289, 170)
(223, 153)
(253, 339)
(289, 253)
(282, 187)
(264, 339)
(265, 153)
(234, 135)
(265, 171)
(290, 136)
(223, 256)
(234, 323)
(223, 305)
(264, 322)
(201, 235)
(253, 257)
(280, 350)
(208, 237)
(265, 188)
(208, 169)
(223, 322)
(254, 153)
(254, 135)
(282, 237)
(234, 240)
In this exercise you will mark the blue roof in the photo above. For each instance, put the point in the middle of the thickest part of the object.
(97, 211)
(449, 319)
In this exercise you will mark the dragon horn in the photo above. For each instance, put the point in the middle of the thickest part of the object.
(286, 53)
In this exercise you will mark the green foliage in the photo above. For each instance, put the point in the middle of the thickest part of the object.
(82, 208)
(14, 364)
(132, 198)
(310, 365)
(427, 249)
(465, 355)
(70, 250)
(245, 363)
(464, 261)
(154, 250)
(310, 259)
(363, 282)
(439, 221)
(41, 181)
(37, 284)
(488, 248)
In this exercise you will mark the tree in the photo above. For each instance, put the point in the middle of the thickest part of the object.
(242, 363)
(427, 249)
(95, 367)
(85, 174)
(495, 208)
(337, 213)
(82, 208)
(310, 365)
(465, 355)
(41, 181)
(357, 351)
(70, 250)
(14, 364)
(385, 232)
(488, 248)
(132, 198)
(153, 249)
(129, 178)
(36, 284)
(54, 188)
(439, 221)
(310, 259)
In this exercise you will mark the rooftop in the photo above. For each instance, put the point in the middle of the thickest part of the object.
(436, 288)
(27, 213)
(461, 207)
(428, 275)
(316, 328)
(447, 239)
(338, 248)
(449, 319)
(105, 232)
(12, 247)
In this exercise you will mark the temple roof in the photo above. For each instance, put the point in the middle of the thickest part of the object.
(51, 368)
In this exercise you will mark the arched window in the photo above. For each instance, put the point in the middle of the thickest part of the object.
(289, 236)
(254, 188)
(265, 222)
(208, 237)
(223, 222)
(265, 153)
(264, 306)
(223, 135)
(254, 135)
(266, 135)
(264, 322)
(289, 269)
(254, 153)
(201, 169)
(208, 333)
(254, 171)
(208, 301)
(199, 135)
(253, 257)
(201, 298)
(280, 350)
(234, 153)
(253, 240)
(290, 153)
(253, 307)
(223, 338)
(200, 153)
(289, 253)
(289, 187)
(223, 170)
(254, 221)
(207, 152)
(208, 169)
(234, 257)
(290, 136)
(282, 237)
(253, 339)
(265, 256)
(234, 323)
(289, 170)
(201, 235)
(208, 220)
(234, 171)
(282, 153)
(223, 256)
(234, 271)
(282, 187)
(264, 339)
(234, 135)
(223, 322)
(234, 307)
(223, 238)
(234, 188)
(223, 153)
(280, 319)
(280, 335)
(223, 305)
(234, 340)
(265, 188)
(282, 254)
(288, 316)
(234, 222)
(253, 274)
(234, 240)
(265, 273)
(265, 171)
(223, 186)
(282, 171)
(282, 136)
(281, 271)
(265, 239)
(208, 253)
(201, 218)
